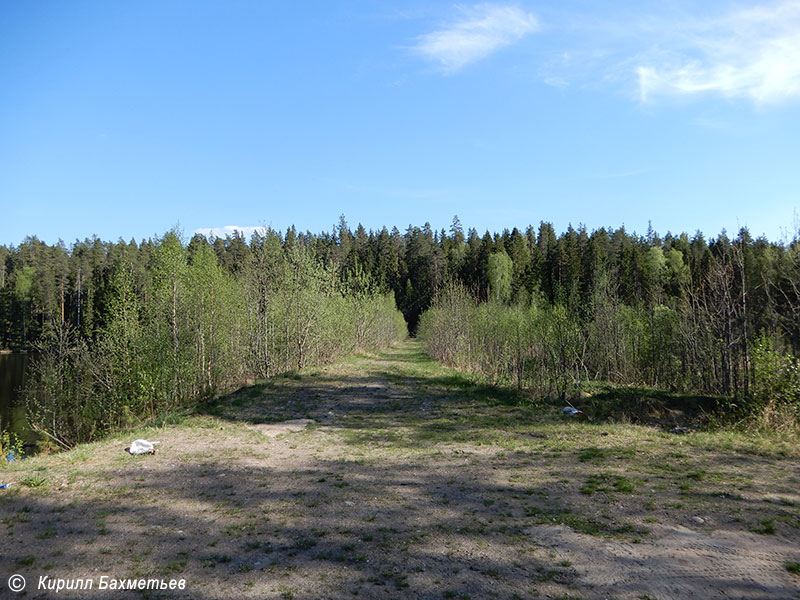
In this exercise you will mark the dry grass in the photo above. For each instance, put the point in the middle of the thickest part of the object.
(413, 481)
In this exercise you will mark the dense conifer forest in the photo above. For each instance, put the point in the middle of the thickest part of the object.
(126, 330)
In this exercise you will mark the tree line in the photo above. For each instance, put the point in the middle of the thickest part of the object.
(125, 332)
(551, 314)
(673, 311)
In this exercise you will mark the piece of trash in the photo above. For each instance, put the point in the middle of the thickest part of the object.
(681, 430)
(142, 447)
(4, 486)
(11, 458)
(571, 412)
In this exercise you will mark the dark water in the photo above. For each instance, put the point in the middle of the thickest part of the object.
(12, 408)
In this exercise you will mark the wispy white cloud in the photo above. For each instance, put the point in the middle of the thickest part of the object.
(752, 54)
(229, 230)
(480, 31)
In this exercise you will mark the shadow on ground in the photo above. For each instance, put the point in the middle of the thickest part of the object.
(412, 483)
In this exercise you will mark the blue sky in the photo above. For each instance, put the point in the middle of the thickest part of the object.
(125, 119)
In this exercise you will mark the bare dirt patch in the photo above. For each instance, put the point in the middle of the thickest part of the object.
(391, 477)
(678, 563)
(275, 429)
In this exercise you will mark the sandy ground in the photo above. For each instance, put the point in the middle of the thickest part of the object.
(377, 478)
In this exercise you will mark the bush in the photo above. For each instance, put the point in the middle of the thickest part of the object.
(10, 444)
(775, 402)
(538, 348)
(193, 330)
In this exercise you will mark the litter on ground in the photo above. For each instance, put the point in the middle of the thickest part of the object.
(571, 412)
(142, 447)
(681, 430)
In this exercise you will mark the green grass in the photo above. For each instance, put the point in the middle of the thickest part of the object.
(34, 480)
(697, 474)
(608, 483)
(287, 593)
(765, 527)
(647, 406)
(417, 461)
(600, 454)
(175, 566)
(590, 525)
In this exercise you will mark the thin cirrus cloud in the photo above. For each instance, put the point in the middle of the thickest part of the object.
(480, 31)
(752, 54)
(229, 231)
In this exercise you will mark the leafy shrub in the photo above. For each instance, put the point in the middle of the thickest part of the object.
(775, 403)
(10, 444)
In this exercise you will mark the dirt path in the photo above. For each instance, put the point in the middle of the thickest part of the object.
(391, 477)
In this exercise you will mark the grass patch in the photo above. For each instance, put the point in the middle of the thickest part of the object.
(34, 480)
(608, 483)
(697, 474)
(765, 527)
(407, 457)
(594, 453)
(175, 566)
(286, 592)
(582, 523)
(648, 406)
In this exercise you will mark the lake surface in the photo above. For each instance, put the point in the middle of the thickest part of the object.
(12, 407)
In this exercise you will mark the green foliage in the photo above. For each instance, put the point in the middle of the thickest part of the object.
(60, 392)
(23, 283)
(160, 323)
(677, 272)
(775, 405)
(11, 445)
(553, 352)
(537, 347)
(185, 329)
(765, 527)
(499, 270)
(776, 375)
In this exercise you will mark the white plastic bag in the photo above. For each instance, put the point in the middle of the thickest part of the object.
(142, 447)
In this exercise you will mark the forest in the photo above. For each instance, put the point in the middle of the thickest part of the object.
(127, 330)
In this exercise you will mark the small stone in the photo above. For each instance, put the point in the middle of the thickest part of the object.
(698, 520)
